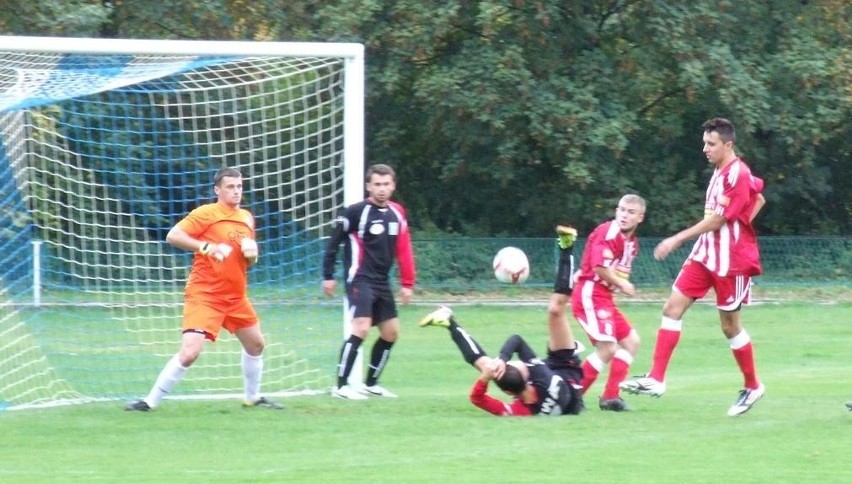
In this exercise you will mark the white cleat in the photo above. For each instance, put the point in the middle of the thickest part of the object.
(644, 385)
(377, 391)
(347, 393)
(746, 399)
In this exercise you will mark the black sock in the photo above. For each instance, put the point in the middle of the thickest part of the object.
(470, 349)
(348, 353)
(378, 359)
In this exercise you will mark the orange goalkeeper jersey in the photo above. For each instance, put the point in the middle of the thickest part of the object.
(217, 223)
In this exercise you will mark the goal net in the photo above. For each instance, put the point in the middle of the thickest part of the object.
(104, 146)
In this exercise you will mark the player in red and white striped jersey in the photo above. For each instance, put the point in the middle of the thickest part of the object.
(725, 257)
(604, 269)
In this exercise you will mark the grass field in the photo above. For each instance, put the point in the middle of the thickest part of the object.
(799, 432)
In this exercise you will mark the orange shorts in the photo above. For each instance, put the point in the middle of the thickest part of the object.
(210, 316)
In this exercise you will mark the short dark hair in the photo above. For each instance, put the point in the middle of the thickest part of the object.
(380, 169)
(722, 126)
(226, 171)
(512, 381)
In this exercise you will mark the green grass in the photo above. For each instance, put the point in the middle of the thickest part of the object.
(799, 432)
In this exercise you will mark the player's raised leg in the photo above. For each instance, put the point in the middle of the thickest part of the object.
(470, 349)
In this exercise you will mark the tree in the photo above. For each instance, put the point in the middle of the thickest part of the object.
(67, 18)
(506, 117)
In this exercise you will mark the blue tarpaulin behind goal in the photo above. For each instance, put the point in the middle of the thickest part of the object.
(24, 85)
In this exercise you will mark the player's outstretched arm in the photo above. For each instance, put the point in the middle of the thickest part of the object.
(669, 244)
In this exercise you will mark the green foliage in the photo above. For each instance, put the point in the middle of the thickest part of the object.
(504, 117)
(463, 264)
(260, 20)
(579, 102)
(67, 18)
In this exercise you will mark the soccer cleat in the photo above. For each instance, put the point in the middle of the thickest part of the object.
(566, 235)
(614, 405)
(439, 317)
(644, 385)
(849, 406)
(263, 402)
(378, 391)
(138, 405)
(347, 393)
(746, 399)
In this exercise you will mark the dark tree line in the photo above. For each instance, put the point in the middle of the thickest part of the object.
(505, 117)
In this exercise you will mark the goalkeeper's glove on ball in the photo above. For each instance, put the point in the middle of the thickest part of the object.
(249, 248)
(217, 251)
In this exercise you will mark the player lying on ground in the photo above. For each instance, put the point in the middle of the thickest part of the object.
(539, 387)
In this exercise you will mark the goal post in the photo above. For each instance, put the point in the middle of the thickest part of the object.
(104, 145)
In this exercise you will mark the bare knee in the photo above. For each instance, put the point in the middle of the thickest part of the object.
(255, 347)
(389, 330)
(555, 310)
(191, 344)
(605, 350)
(631, 342)
(676, 305)
(556, 307)
(731, 325)
(188, 355)
(361, 326)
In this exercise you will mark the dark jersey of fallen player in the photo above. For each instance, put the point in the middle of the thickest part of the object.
(554, 380)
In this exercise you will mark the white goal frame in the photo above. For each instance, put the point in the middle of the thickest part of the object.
(353, 115)
(353, 53)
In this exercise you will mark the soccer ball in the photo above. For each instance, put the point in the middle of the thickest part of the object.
(511, 265)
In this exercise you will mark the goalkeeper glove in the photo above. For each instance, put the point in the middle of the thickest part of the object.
(566, 235)
(249, 248)
(216, 251)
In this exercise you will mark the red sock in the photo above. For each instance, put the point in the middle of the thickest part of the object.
(663, 350)
(590, 373)
(745, 360)
(618, 369)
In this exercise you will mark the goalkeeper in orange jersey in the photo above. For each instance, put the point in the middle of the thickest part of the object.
(222, 236)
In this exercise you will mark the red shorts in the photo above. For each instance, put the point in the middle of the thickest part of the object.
(595, 310)
(694, 280)
(210, 316)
